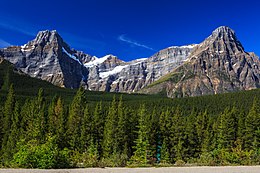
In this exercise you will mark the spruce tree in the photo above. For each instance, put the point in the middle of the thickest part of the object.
(228, 128)
(76, 113)
(177, 135)
(98, 126)
(252, 126)
(191, 136)
(202, 127)
(8, 115)
(109, 139)
(141, 153)
(14, 136)
(86, 130)
(121, 131)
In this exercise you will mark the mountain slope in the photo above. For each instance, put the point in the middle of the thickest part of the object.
(217, 65)
(49, 58)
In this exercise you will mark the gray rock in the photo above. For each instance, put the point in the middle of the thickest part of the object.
(217, 65)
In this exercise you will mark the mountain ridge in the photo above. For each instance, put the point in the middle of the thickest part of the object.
(50, 58)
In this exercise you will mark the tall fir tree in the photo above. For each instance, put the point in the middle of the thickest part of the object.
(141, 153)
(202, 127)
(109, 140)
(98, 127)
(8, 115)
(228, 128)
(121, 130)
(252, 127)
(177, 135)
(14, 136)
(191, 136)
(76, 114)
(86, 135)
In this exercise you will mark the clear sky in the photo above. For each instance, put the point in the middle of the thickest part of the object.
(129, 29)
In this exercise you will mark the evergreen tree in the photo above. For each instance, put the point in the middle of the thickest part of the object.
(86, 130)
(52, 117)
(98, 126)
(202, 127)
(121, 130)
(60, 129)
(228, 128)
(14, 136)
(76, 114)
(177, 135)
(8, 115)
(141, 153)
(191, 136)
(252, 126)
(109, 140)
(165, 154)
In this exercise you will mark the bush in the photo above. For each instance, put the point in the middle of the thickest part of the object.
(43, 156)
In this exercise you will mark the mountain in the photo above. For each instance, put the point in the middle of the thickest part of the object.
(217, 65)
(49, 58)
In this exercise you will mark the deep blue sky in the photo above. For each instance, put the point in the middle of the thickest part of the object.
(129, 29)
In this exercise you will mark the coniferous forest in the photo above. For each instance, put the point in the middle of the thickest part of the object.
(44, 132)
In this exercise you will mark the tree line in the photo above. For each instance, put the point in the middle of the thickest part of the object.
(37, 133)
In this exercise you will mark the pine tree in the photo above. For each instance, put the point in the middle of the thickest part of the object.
(14, 136)
(109, 141)
(202, 127)
(8, 115)
(228, 128)
(177, 135)
(1, 126)
(86, 130)
(141, 153)
(252, 126)
(76, 114)
(60, 128)
(191, 136)
(52, 117)
(165, 154)
(98, 126)
(121, 130)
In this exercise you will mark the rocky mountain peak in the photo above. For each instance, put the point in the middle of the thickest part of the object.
(47, 37)
(222, 40)
(223, 29)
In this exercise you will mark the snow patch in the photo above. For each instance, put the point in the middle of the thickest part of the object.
(97, 61)
(191, 46)
(26, 48)
(116, 70)
(71, 56)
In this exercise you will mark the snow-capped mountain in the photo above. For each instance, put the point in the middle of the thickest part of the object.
(217, 65)
(49, 58)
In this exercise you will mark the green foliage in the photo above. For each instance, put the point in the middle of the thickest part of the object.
(44, 156)
(141, 153)
(40, 131)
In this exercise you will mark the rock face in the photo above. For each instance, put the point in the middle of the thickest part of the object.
(135, 75)
(217, 65)
(49, 58)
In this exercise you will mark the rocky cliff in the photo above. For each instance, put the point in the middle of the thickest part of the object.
(49, 58)
(217, 65)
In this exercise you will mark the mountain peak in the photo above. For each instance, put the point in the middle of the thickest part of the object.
(223, 29)
(47, 36)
